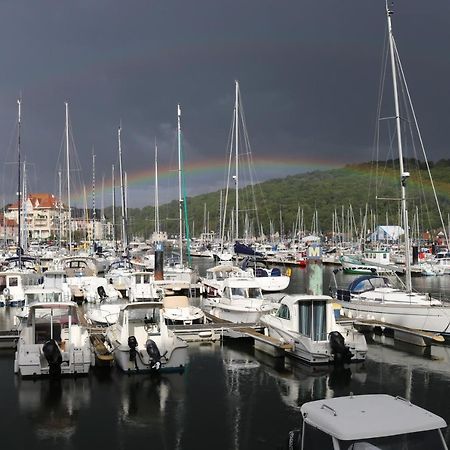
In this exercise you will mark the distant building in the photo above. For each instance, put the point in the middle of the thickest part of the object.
(8, 229)
(43, 216)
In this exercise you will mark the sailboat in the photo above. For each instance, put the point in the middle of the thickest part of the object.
(374, 297)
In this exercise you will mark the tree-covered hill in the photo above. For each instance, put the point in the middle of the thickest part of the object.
(364, 187)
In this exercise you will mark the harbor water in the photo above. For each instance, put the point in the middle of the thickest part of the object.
(230, 396)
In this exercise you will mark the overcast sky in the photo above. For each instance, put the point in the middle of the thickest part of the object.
(308, 71)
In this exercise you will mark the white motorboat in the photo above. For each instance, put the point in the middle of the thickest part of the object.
(178, 311)
(143, 288)
(269, 280)
(214, 281)
(308, 323)
(13, 285)
(241, 301)
(53, 342)
(140, 340)
(103, 314)
(367, 422)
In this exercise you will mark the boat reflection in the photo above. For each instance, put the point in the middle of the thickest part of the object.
(52, 406)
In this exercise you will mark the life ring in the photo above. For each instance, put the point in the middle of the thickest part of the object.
(6, 292)
(288, 271)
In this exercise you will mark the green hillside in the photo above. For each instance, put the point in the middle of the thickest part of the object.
(325, 191)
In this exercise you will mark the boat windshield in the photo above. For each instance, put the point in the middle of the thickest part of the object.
(254, 293)
(42, 297)
(369, 284)
(150, 315)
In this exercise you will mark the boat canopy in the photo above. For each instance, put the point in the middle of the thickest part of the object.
(369, 416)
(368, 283)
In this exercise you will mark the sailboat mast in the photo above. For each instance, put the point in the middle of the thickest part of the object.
(69, 219)
(236, 145)
(403, 175)
(180, 198)
(122, 191)
(156, 193)
(19, 187)
(93, 201)
(59, 209)
(113, 201)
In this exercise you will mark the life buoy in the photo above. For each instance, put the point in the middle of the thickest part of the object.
(6, 291)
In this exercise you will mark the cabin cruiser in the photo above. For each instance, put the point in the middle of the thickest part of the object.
(376, 298)
(367, 422)
(241, 301)
(214, 281)
(140, 340)
(143, 287)
(53, 342)
(178, 311)
(308, 323)
(13, 285)
(270, 280)
(119, 275)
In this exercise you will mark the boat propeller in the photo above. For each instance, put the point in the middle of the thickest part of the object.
(339, 350)
(154, 354)
(53, 356)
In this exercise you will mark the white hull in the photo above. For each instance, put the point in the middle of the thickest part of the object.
(273, 284)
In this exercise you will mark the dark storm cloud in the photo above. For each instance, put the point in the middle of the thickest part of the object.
(309, 74)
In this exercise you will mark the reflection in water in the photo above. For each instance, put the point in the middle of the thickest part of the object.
(52, 406)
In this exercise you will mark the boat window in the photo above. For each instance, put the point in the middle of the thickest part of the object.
(143, 315)
(2, 283)
(238, 292)
(13, 281)
(283, 312)
(254, 293)
(319, 321)
(379, 282)
(304, 317)
(420, 440)
(146, 279)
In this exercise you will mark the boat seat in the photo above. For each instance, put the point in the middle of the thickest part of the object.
(276, 272)
(260, 272)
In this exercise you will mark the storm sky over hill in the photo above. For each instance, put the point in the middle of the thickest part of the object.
(309, 74)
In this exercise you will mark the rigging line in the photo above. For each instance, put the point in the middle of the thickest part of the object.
(421, 141)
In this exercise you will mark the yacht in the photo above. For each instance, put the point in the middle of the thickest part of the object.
(141, 342)
(13, 285)
(53, 342)
(308, 323)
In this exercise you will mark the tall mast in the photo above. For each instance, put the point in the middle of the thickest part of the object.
(122, 191)
(180, 198)
(113, 193)
(68, 179)
(157, 229)
(24, 208)
(236, 145)
(59, 209)
(94, 214)
(19, 186)
(403, 175)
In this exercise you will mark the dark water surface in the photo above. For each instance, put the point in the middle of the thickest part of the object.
(230, 397)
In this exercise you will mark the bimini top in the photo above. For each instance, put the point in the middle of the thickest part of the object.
(369, 416)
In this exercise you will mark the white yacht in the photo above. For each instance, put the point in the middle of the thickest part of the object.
(140, 340)
(242, 301)
(214, 281)
(143, 287)
(308, 323)
(13, 285)
(367, 422)
(53, 342)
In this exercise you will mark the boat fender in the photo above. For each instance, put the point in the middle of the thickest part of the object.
(6, 292)
(339, 350)
(53, 356)
(132, 343)
(288, 272)
(154, 354)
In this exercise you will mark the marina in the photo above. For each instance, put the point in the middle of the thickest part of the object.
(156, 293)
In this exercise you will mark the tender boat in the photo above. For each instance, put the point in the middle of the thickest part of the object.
(53, 342)
(308, 323)
(367, 422)
(141, 342)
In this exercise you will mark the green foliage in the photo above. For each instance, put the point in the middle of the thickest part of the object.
(357, 185)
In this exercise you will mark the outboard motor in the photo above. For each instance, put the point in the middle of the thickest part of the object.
(53, 356)
(339, 350)
(102, 293)
(154, 354)
(132, 343)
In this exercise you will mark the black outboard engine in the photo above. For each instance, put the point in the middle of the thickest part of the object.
(132, 343)
(101, 293)
(339, 350)
(53, 356)
(154, 354)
